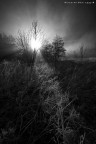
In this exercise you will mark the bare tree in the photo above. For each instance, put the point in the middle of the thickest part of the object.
(25, 52)
(36, 31)
(82, 52)
(22, 40)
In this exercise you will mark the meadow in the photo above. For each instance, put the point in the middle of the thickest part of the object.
(43, 102)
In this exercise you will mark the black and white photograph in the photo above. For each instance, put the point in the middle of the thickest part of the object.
(47, 72)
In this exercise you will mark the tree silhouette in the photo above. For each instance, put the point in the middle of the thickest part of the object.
(54, 52)
(59, 50)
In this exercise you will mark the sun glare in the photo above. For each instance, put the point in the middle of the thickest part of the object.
(35, 44)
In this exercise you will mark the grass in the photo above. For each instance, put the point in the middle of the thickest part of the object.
(40, 104)
(51, 102)
(79, 79)
(19, 96)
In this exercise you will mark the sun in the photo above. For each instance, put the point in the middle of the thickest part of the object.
(35, 44)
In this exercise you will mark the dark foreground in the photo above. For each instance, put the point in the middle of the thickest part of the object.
(39, 104)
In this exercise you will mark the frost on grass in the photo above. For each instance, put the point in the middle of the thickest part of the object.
(56, 104)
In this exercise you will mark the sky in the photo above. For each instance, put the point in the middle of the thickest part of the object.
(76, 23)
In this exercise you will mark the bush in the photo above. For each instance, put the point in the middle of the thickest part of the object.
(59, 50)
(52, 53)
(47, 53)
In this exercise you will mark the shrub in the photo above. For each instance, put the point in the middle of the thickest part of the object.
(59, 50)
(52, 53)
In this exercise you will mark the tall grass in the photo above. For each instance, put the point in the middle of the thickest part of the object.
(19, 98)
(79, 79)
(61, 111)
(38, 103)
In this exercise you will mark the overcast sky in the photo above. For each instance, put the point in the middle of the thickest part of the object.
(75, 22)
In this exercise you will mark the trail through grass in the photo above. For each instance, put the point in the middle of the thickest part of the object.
(38, 103)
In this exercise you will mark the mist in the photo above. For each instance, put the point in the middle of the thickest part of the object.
(76, 23)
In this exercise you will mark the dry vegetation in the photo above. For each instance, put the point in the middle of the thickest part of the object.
(43, 104)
